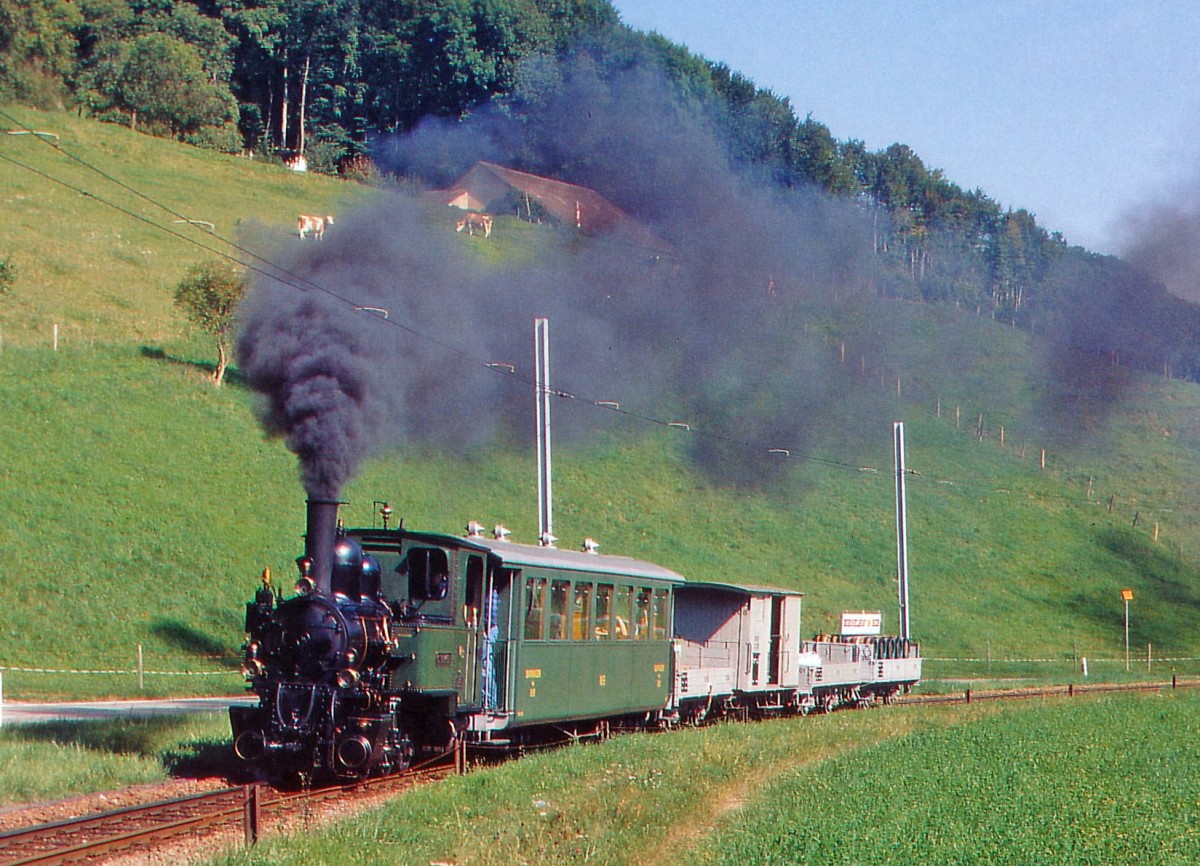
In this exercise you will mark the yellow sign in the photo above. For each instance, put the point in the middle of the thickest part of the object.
(533, 673)
(1127, 594)
(659, 668)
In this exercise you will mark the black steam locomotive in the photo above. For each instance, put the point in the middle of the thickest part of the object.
(398, 644)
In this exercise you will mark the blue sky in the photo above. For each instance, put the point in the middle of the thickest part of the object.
(1080, 111)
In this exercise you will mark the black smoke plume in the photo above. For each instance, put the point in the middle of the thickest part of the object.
(1162, 239)
(726, 334)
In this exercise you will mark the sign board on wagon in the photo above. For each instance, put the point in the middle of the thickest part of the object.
(855, 624)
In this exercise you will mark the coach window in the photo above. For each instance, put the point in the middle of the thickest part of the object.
(662, 599)
(604, 603)
(559, 593)
(581, 609)
(535, 607)
(623, 613)
(641, 619)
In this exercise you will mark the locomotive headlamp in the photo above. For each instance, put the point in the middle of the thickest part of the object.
(305, 585)
(347, 678)
(252, 668)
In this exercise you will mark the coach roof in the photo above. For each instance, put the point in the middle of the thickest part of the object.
(516, 555)
(741, 589)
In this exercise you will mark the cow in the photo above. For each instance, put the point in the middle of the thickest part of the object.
(314, 224)
(472, 221)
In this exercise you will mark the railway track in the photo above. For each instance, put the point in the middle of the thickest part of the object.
(1067, 691)
(91, 838)
(94, 837)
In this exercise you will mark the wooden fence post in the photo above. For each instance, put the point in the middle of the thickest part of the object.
(250, 813)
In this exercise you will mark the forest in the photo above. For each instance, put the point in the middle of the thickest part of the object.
(358, 86)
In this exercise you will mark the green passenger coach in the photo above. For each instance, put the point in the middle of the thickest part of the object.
(493, 636)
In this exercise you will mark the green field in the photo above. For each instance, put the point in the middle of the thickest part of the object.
(51, 760)
(1071, 781)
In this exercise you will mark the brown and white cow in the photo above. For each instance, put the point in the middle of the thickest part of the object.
(314, 224)
(473, 221)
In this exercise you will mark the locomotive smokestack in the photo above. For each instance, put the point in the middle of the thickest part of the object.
(320, 532)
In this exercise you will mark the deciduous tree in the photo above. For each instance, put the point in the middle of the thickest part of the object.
(209, 295)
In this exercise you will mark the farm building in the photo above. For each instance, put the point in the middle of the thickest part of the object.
(499, 190)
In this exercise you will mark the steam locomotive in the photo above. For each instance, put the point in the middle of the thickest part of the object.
(400, 644)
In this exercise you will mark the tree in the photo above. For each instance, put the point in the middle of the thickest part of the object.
(162, 80)
(209, 295)
(37, 50)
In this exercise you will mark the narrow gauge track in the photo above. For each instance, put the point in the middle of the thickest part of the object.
(92, 837)
(1067, 691)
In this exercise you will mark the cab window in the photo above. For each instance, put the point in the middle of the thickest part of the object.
(428, 574)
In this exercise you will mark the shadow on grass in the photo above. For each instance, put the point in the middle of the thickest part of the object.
(232, 375)
(1166, 589)
(156, 738)
(192, 641)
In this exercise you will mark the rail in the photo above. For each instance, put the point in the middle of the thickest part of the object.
(1070, 690)
(103, 833)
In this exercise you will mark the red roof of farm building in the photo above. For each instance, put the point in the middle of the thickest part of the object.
(485, 185)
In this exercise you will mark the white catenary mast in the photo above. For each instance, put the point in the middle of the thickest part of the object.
(541, 348)
(901, 529)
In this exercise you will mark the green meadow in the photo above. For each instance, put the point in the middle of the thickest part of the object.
(51, 760)
(1071, 781)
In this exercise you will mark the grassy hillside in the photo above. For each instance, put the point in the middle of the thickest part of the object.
(105, 275)
(138, 504)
